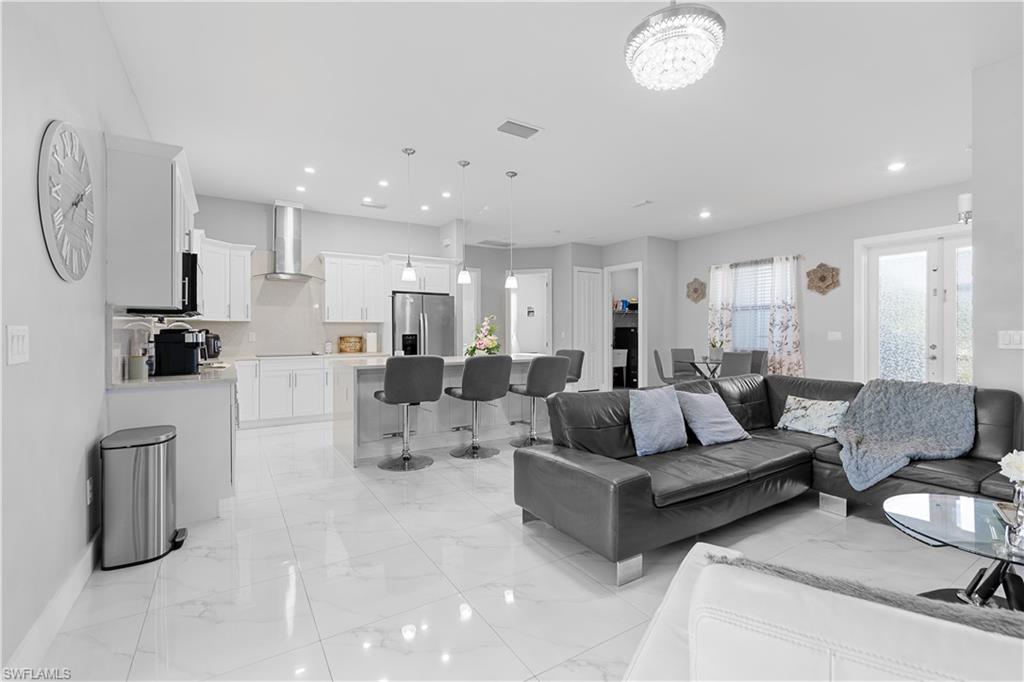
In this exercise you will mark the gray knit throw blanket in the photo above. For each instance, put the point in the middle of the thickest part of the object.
(892, 422)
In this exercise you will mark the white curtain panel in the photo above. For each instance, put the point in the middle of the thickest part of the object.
(720, 298)
(784, 352)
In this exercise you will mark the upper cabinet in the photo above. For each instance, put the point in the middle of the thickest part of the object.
(433, 276)
(226, 280)
(151, 209)
(354, 289)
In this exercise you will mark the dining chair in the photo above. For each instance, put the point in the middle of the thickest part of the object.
(759, 362)
(661, 371)
(682, 369)
(735, 363)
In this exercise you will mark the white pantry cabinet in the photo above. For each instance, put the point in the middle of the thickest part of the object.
(248, 372)
(226, 273)
(151, 207)
(354, 288)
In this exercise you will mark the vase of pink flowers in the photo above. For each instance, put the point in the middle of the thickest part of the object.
(486, 339)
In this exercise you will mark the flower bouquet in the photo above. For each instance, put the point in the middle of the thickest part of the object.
(1012, 466)
(486, 339)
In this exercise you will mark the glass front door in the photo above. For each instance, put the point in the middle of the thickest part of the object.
(919, 315)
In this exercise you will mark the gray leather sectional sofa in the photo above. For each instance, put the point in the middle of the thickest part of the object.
(591, 485)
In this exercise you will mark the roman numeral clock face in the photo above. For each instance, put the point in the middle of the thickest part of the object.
(66, 201)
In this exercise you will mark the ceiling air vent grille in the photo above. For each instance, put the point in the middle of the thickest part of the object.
(518, 128)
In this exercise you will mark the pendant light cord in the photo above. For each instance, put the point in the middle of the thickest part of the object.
(511, 174)
(408, 151)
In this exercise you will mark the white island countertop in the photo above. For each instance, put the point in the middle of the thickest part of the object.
(293, 356)
(377, 363)
(205, 377)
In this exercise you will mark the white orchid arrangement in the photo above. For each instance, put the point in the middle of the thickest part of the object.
(1012, 466)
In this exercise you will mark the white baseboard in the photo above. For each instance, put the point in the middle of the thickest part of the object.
(40, 636)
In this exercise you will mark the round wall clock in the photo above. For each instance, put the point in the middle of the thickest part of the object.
(66, 201)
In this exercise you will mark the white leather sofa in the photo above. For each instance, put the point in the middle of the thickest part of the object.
(722, 622)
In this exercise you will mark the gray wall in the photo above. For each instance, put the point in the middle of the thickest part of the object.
(826, 236)
(58, 62)
(286, 317)
(997, 184)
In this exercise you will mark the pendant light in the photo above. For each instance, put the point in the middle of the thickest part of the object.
(464, 276)
(408, 272)
(511, 282)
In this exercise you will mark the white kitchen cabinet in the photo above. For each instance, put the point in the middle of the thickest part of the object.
(353, 288)
(275, 392)
(432, 276)
(151, 207)
(240, 283)
(215, 271)
(226, 273)
(248, 372)
(308, 384)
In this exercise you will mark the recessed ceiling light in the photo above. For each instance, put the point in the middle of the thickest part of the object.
(446, 195)
(309, 169)
(300, 188)
(382, 183)
(896, 166)
(424, 207)
(705, 214)
(367, 200)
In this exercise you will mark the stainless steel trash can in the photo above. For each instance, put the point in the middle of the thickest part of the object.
(138, 473)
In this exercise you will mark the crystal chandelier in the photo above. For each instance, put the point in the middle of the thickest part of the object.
(464, 276)
(408, 272)
(675, 46)
(511, 282)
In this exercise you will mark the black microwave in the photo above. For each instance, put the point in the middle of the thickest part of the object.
(189, 292)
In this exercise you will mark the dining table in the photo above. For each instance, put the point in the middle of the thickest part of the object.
(705, 367)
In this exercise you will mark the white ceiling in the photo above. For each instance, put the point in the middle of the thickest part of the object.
(806, 106)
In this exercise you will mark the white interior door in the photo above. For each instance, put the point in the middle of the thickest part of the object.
(529, 308)
(919, 310)
(469, 308)
(587, 330)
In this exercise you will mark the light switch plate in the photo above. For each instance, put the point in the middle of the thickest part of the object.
(835, 336)
(17, 344)
(252, 337)
(1011, 340)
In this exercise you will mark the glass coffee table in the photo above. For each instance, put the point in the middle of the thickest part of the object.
(970, 524)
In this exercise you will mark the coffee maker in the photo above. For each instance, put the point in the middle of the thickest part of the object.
(177, 351)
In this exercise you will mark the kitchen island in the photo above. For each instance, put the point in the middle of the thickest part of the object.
(203, 409)
(365, 428)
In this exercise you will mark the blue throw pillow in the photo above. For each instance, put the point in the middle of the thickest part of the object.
(656, 420)
(709, 418)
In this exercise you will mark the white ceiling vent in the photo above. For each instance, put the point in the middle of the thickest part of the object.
(518, 128)
(494, 244)
(373, 204)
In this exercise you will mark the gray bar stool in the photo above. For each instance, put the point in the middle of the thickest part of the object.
(547, 375)
(484, 377)
(410, 380)
(575, 364)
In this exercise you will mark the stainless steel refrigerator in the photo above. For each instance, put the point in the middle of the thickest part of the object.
(422, 324)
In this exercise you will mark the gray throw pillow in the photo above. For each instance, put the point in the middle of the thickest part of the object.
(709, 418)
(656, 420)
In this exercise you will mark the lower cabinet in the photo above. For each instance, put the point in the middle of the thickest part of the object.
(248, 372)
(287, 388)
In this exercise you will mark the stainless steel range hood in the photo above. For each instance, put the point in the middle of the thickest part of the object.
(288, 243)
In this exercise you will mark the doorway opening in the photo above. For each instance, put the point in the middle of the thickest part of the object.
(625, 342)
(529, 312)
(588, 306)
(914, 313)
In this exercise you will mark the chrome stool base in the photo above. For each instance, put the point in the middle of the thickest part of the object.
(413, 463)
(473, 452)
(528, 441)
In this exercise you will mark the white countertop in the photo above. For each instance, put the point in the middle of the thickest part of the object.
(205, 377)
(325, 356)
(377, 363)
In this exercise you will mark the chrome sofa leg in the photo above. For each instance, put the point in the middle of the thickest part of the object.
(629, 569)
(832, 504)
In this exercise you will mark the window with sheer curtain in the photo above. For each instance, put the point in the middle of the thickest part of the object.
(751, 304)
